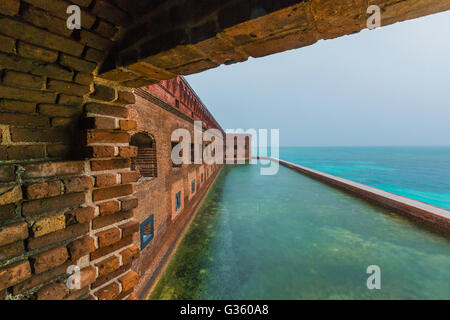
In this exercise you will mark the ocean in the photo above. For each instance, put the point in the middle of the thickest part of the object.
(420, 173)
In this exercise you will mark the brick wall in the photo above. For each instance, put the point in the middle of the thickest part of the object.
(65, 180)
(156, 196)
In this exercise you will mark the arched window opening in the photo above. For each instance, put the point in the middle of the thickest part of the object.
(145, 162)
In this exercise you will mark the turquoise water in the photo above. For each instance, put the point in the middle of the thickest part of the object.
(421, 173)
(290, 237)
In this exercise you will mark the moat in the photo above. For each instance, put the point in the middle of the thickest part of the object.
(290, 237)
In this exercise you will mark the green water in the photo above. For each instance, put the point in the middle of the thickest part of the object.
(290, 237)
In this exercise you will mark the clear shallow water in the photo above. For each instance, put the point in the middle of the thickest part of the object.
(290, 237)
(421, 173)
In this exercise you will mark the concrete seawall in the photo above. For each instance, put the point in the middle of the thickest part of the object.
(430, 215)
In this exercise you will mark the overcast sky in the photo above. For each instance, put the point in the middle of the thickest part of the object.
(389, 86)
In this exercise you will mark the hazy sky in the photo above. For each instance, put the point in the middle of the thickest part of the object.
(389, 86)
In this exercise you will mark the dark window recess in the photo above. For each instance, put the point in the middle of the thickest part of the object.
(145, 162)
(193, 186)
(147, 231)
(177, 103)
(192, 153)
(178, 200)
(207, 172)
(201, 178)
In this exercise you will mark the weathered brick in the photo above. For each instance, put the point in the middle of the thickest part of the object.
(28, 120)
(27, 50)
(108, 265)
(10, 194)
(49, 259)
(94, 55)
(26, 95)
(110, 13)
(109, 292)
(59, 7)
(49, 169)
(8, 214)
(130, 254)
(53, 204)
(100, 165)
(69, 88)
(108, 237)
(55, 110)
(54, 291)
(110, 276)
(127, 125)
(81, 247)
(87, 276)
(78, 294)
(44, 190)
(126, 97)
(42, 69)
(7, 44)
(13, 233)
(23, 80)
(63, 122)
(109, 207)
(107, 110)
(101, 222)
(112, 192)
(7, 173)
(9, 7)
(17, 106)
(130, 177)
(42, 135)
(107, 137)
(14, 274)
(114, 247)
(73, 101)
(84, 78)
(129, 228)
(103, 93)
(128, 152)
(84, 214)
(11, 250)
(105, 180)
(78, 184)
(31, 34)
(58, 150)
(70, 232)
(41, 278)
(129, 203)
(99, 123)
(105, 29)
(95, 41)
(49, 224)
(100, 151)
(77, 63)
(43, 19)
(129, 280)
(25, 152)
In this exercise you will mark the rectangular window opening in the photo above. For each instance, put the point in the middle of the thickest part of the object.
(178, 201)
(147, 231)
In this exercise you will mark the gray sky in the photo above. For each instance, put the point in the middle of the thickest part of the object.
(389, 86)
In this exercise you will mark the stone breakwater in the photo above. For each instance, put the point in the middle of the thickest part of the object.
(430, 215)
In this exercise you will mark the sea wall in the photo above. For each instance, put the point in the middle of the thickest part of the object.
(430, 215)
(169, 195)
